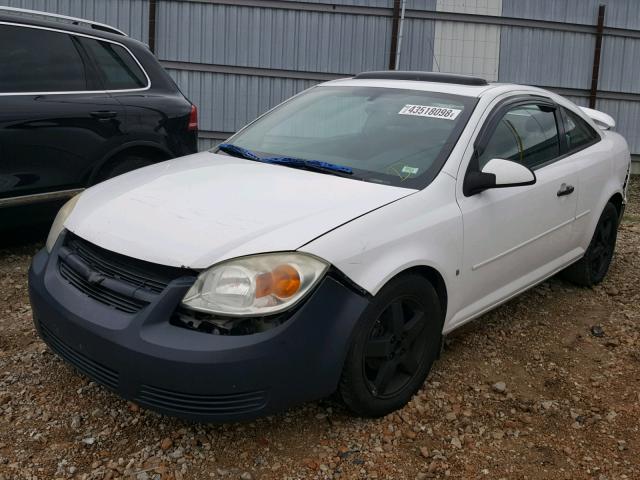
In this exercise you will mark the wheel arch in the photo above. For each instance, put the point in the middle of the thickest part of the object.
(611, 193)
(151, 150)
(618, 202)
(433, 276)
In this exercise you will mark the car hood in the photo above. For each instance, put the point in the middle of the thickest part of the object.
(198, 210)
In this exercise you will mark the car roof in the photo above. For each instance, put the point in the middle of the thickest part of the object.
(60, 24)
(438, 87)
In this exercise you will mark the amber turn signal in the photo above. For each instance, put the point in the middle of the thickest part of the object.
(283, 282)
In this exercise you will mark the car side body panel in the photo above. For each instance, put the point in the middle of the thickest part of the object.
(420, 230)
(602, 170)
(386, 247)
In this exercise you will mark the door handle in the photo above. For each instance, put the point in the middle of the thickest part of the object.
(565, 190)
(104, 114)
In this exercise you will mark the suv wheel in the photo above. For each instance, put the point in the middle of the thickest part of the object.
(592, 268)
(395, 344)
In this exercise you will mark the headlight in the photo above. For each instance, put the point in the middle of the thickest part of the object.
(58, 223)
(256, 285)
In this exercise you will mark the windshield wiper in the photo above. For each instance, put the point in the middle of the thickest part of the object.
(312, 165)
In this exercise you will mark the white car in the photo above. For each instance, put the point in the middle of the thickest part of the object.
(328, 245)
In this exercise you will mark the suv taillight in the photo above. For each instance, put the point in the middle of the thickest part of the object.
(193, 119)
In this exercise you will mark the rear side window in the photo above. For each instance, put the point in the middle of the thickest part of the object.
(577, 132)
(118, 69)
(525, 134)
(39, 61)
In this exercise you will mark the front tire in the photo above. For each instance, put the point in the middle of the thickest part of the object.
(395, 344)
(592, 268)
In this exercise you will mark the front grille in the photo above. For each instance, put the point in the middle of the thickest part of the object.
(90, 368)
(101, 294)
(123, 283)
(189, 403)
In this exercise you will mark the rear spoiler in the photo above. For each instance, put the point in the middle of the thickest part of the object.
(604, 121)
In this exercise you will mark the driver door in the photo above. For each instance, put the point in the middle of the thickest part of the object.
(516, 236)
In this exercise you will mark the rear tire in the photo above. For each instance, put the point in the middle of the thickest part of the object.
(122, 165)
(592, 268)
(395, 343)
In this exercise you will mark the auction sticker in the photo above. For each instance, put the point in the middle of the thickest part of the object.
(430, 111)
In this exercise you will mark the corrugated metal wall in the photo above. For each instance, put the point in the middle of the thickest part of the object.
(546, 58)
(273, 39)
(236, 59)
(620, 13)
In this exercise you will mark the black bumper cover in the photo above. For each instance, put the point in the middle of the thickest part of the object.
(190, 374)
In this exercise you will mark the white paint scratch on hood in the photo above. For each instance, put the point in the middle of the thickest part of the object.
(198, 210)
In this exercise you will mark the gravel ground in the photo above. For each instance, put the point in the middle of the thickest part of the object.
(529, 391)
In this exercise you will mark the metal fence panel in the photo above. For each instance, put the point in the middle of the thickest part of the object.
(619, 13)
(359, 3)
(421, 4)
(130, 16)
(620, 64)
(411, 4)
(417, 45)
(546, 57)
(626, 114)
(343, 43)
(228, 102)
(580, 101)
(207, 143)
(272, 38)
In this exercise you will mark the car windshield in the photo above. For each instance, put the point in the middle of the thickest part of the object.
(385, 135)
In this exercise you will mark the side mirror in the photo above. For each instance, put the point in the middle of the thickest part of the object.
(498, 173)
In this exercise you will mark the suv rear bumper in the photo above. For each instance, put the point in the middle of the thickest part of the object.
(191, 374)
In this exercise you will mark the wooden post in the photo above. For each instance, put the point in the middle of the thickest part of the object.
(394, 34)
(593, 94)
(153, 9)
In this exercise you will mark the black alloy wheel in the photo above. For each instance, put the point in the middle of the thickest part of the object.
(603, 244)
(393, 352)
(594, 265)
(394, 345)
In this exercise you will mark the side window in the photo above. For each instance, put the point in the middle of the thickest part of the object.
(526, 134)
(118, 69)
(35, 60)
(577, 132)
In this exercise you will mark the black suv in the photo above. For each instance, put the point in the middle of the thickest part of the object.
(80, 102)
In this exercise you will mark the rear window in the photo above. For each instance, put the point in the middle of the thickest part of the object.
(116, 66)
(578, 133)
(39, 61)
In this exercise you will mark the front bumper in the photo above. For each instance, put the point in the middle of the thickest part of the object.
(191, 374)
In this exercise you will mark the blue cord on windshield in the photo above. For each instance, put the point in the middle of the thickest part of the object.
(230, 148)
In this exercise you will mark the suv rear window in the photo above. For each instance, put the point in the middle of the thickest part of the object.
(39, 61)
(118, 69)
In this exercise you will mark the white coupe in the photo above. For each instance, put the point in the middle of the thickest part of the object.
(329, 245)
